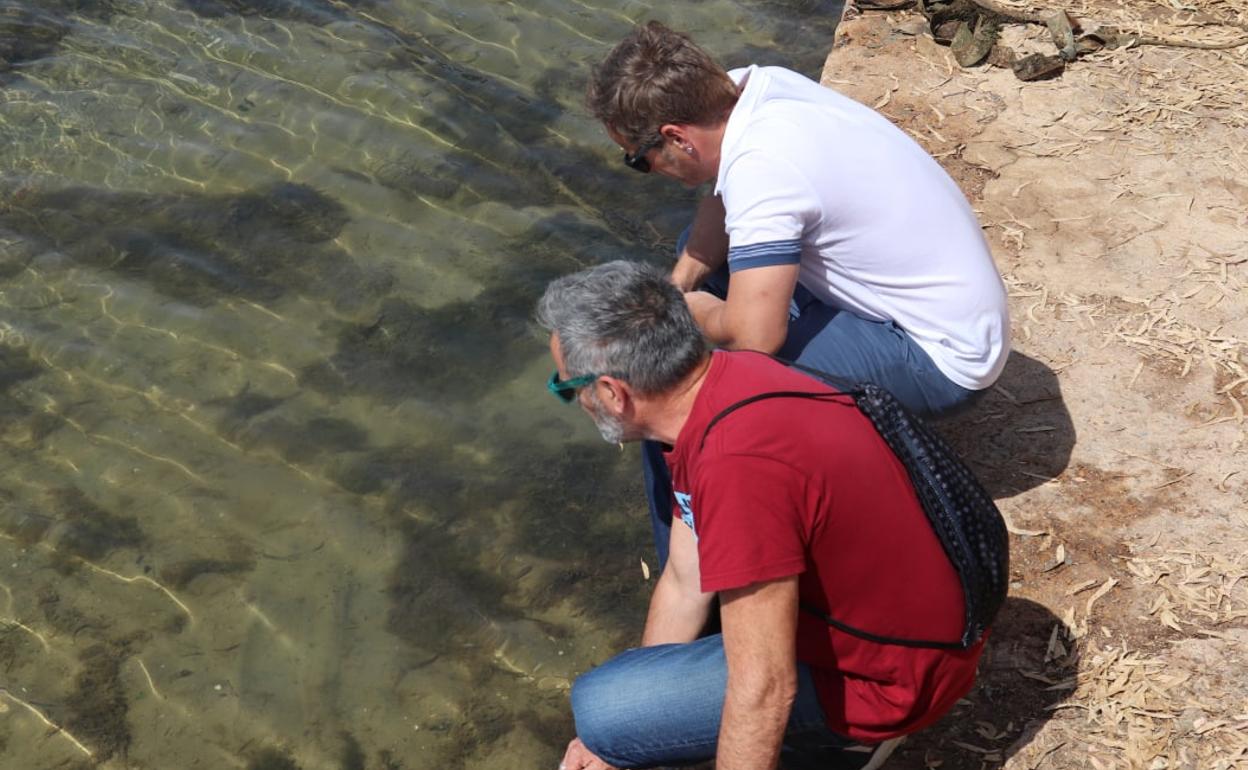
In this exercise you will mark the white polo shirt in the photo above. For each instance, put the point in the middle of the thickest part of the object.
(811, 177)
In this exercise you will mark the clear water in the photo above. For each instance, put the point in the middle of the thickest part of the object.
(280, 485)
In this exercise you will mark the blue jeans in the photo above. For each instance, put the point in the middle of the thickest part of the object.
(662, 705)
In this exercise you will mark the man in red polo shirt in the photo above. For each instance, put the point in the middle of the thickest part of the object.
(795, 513)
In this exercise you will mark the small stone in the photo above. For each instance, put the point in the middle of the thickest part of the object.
(1189, 719)
(913, 27)
(1002, 56)
(972, 47)
(944, 32)
(1038, 67)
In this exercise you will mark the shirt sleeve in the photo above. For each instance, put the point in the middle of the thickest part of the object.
(768, 205)
(750, 521)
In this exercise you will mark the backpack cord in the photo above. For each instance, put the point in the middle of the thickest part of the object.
(839, 625)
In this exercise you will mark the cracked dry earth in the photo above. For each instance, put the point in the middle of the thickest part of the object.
(1115, 200)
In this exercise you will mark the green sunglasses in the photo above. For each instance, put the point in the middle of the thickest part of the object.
(565, 390)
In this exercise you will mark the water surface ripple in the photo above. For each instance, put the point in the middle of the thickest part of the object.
(280, 485)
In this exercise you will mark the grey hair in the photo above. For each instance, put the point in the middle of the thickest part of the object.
(625, 319)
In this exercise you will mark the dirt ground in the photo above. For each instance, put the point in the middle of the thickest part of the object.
(1115, 198)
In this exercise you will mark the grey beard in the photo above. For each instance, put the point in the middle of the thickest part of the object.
(611, 429)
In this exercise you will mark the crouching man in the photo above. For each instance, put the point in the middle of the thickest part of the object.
(794, 512)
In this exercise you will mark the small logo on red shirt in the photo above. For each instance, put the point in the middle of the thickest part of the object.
(686, 507)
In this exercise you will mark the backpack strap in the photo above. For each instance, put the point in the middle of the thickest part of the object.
(760, 397)
(878, 639)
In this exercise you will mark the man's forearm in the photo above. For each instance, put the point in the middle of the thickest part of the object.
(676, 615)
(707, 247)
(708, 314)
(760, 631)
(757, 329)
(753, 724)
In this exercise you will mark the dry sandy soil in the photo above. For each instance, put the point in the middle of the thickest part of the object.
(1115, 200)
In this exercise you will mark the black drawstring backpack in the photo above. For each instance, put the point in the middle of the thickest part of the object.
(959, 509)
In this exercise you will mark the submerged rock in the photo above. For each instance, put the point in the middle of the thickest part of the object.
(300, 211)
(200, 249)
(182, 573)
(97, 709)
(410, 351)
(32, 31)
(272, 759)
(27, 35)
(88, 531)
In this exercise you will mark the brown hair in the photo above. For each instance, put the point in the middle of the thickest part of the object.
(657, 76)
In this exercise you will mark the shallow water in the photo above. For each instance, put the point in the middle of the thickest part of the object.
(280, 485)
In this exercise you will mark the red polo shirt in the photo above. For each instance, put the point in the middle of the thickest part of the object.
(793, 486)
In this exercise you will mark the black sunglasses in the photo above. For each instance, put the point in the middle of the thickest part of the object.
(637, 160)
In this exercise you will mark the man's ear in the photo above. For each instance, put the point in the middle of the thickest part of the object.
(614, 394)
(675, 133)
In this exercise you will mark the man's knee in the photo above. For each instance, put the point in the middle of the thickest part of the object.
(615, 718)
(592, 698)
(625, 712)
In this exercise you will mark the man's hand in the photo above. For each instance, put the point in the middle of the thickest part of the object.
(577, 757)
(756, 314)
(707, 247)
(705, 309)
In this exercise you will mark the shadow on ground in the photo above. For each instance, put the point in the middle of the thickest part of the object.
(1019, 435)
(1011, 699)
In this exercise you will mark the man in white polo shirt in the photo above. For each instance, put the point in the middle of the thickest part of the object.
(830, 238)
(846, 246)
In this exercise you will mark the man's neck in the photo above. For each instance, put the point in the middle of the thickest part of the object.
(714, 135)
(665, 415)
(709, 140)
